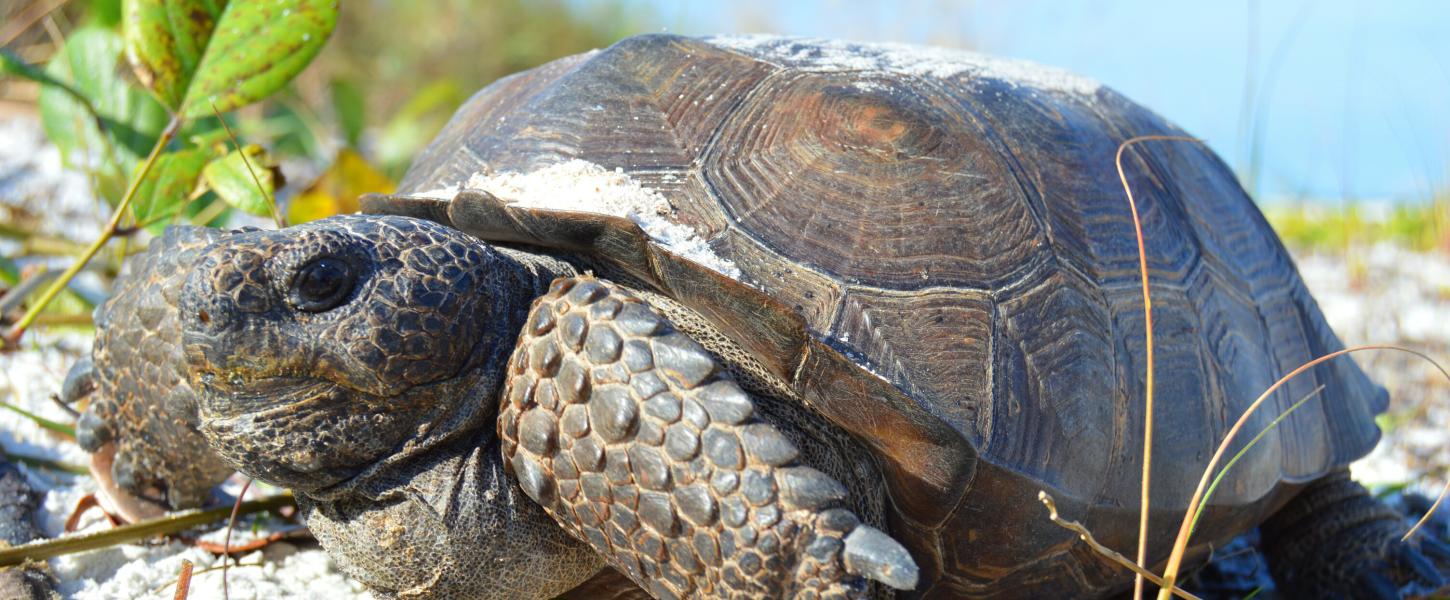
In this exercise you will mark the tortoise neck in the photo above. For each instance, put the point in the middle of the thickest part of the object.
(534, 272)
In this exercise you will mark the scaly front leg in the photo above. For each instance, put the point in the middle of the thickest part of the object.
(634, 439)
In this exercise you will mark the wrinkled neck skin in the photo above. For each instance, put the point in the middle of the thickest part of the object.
(441, 518)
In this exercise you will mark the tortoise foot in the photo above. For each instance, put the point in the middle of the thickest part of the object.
(1335, 540)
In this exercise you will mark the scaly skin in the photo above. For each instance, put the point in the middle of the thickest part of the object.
(631, 436)
(1335, 540)
(140, 399)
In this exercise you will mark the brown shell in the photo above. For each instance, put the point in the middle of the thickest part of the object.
(964, 235)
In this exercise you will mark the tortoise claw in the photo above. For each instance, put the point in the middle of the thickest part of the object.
(1412, 560)
(1375, 585)
(1435, 549)
(874, 555)
(79, 382)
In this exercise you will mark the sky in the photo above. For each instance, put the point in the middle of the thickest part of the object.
(1324, 100)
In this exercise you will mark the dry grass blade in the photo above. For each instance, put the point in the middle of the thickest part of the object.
(227, 541)
(1144, 500)
(33, 13)
(1087, 536)
(183, 583)
(1180, 543)
(1426, 518)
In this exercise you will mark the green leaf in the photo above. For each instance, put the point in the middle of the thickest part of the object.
(105, 13)
(126, 121)
(10, 64)
(169, 184)
(44, 423)
(231, 178)
(255, 49)
(419, 119)
(165, 40)
(351, 110)
(9, 272)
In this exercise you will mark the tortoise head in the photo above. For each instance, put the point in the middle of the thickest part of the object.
(321, 350)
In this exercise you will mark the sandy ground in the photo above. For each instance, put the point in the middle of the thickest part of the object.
(1378, 294)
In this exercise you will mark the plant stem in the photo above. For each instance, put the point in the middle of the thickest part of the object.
(13, 336)
(271, 202)
(136, 531)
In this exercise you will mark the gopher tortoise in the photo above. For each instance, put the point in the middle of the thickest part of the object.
(896, 295)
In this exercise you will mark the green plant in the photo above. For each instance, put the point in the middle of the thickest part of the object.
(193, 61)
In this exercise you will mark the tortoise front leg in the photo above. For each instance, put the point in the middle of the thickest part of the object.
(635, 440)
(1335, 540)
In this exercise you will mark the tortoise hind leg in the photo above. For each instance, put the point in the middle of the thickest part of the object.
(1335, 540)
(633, 438)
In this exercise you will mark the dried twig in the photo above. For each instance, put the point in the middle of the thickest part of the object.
(183, 584)
(1087, 536)
(25, 20)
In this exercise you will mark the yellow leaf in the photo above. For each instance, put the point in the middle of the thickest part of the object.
(336, 191)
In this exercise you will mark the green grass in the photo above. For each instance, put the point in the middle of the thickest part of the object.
(1421, 227)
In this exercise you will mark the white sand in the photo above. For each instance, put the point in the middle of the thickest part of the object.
(582, 186)
(27, 379)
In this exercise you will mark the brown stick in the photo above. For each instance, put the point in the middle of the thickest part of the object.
(183, 584)
(41, 550)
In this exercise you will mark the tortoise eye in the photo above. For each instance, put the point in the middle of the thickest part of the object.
(322, 284)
